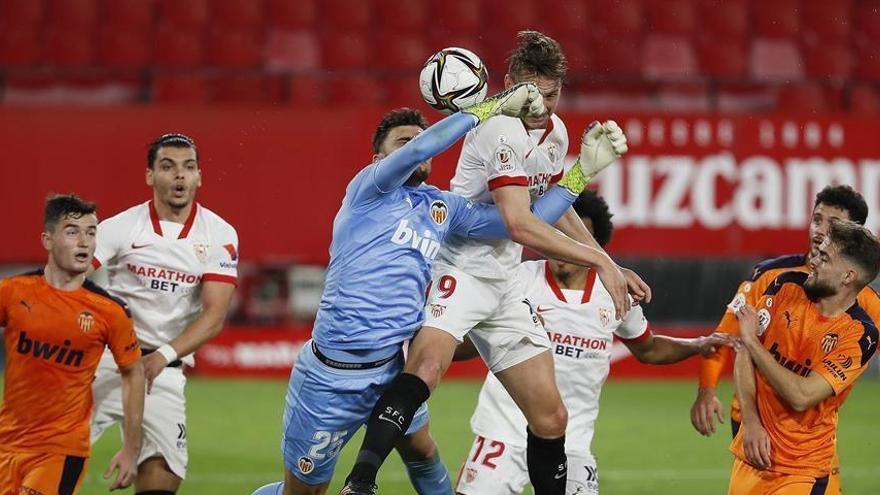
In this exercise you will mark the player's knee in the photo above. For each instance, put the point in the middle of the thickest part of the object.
(550, 424)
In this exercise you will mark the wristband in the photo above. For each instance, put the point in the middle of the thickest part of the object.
(168, 353)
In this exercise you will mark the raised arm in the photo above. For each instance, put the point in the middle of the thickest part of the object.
(660, 349)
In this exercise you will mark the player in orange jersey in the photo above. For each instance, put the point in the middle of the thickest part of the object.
(810, 339)
(839, 202)
(56, 327)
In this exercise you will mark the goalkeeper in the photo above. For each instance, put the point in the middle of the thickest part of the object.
(385, 237)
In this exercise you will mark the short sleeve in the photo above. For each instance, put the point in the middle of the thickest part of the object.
(499, 146)
(111, 238)
(748, 292)
(121, 339)
(634, 326)
(847, 357)
(223, 258)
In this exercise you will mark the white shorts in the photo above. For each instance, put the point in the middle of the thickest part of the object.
(164, 413)
(494, 313)
(496, 468)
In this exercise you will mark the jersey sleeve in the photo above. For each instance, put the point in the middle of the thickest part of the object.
(499, 146)
(634, 326)
(111, 238)
(121, 339)
(847, 360)
(223, 258)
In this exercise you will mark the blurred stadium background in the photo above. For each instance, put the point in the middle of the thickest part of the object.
(737, 112)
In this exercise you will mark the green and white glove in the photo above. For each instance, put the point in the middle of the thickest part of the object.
(522, 100)
(601, 144)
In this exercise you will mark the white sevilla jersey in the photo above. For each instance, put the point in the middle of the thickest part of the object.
(157, 267)
(497, 153)
(580, 325)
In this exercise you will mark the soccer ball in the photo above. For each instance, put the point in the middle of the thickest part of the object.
(452, 79)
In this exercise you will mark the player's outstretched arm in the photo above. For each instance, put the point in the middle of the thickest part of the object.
(661, 349)
(125, 461)
(393, 170)
(216, 297)
(756, 442)
(799, 392)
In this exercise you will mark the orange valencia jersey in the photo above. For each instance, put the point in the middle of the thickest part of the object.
(54, 340)
(805, 342)
(749, 292)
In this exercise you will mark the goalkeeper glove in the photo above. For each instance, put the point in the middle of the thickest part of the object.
(522, 100)
(601, 144)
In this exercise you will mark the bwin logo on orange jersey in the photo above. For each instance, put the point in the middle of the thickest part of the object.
(62, 354)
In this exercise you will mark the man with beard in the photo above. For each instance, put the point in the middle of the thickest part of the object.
(840, 202)
(810, 339)
(175, 262)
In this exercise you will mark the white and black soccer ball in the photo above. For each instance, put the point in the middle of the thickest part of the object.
(452, 79)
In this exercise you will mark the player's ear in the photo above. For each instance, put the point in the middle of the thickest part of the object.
(508, 81)
(46, 239)
(149, 177)
(378, 156)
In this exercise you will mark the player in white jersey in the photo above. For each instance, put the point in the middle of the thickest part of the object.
(577, 313)
(175, 263)
(509, 162)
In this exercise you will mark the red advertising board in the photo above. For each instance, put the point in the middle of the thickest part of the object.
(691, 185)
(270, 353)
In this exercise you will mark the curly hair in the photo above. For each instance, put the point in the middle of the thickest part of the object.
(397, 118)
(590, 205)
(846, 198)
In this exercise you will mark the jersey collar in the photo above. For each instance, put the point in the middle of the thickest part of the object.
(588, 284)
(187, 225)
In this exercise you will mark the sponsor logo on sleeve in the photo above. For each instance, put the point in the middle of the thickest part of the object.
(233, 253)
(763, 321)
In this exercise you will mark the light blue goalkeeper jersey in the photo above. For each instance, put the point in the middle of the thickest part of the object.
(386, 236)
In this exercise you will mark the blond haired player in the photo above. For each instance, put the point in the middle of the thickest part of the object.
(509, 162)
(175, 262)
(576, 310)
(804, 345)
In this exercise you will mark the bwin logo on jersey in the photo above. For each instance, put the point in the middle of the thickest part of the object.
(405, 235)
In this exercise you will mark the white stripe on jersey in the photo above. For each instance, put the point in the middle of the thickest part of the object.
(581, 331)
(157, 267)
(501, 151)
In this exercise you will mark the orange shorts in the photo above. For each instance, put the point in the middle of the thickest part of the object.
(746, 480)
(26, 473)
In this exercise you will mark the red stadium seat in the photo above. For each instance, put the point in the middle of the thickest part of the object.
(668, 57)
(725, 19)
(347, 15)
(292, 50)
(346, 50)
(133, 14)
(301, 14)
(189, 14)
(71, 14)
(864, 101)
(776, 18)
(618, 57)
(180, 89)
(775, 60)
(868, 64)
(617, 96)
(245, 89)
(617, 18)
(178, 47)
(683, 97)
(21, 44)
(723, 58)
(56, 89)
(355, 91)
(827, 20)
(802, 98)
(409, 16)
(401, 51)
(745, 97)
(71, 47)
(671, 17)
(457, 15)
(834, 61)
(868, 19)
(306, 91)
(403, 91)
(125, 47)
(569, 18)
(513, 15)
(578, 54)
(243, 14)
(235, 48)
(21, 12)
(438, 39)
